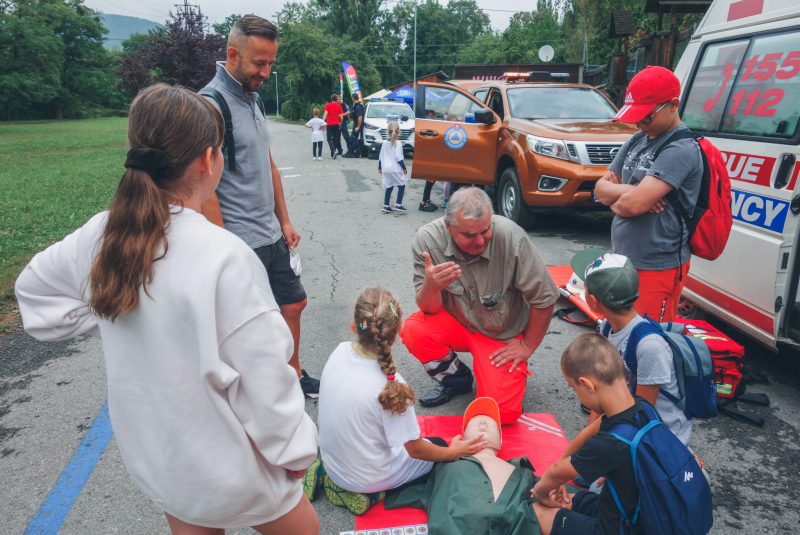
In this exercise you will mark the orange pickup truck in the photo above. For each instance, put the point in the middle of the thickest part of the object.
(540, 145)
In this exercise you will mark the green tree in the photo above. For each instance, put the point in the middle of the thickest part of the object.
(30, 58)
(528, 32)
(486, 48)
(352, 18)
(224, 28)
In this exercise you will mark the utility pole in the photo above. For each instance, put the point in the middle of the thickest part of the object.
(415, 57)
(277, 100)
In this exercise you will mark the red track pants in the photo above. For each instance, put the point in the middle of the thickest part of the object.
(430, 337)
(660, 292)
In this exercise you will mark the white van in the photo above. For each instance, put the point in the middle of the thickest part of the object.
(740, 76)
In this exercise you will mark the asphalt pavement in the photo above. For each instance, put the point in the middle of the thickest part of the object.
(50, 393)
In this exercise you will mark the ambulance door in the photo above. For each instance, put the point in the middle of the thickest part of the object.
(449, 143)
(743, 94)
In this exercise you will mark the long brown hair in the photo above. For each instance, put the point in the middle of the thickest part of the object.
(378, 317)
(168, 129)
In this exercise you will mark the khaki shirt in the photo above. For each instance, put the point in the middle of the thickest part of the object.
(509, 272)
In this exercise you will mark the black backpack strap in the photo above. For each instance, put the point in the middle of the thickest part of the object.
(260, 104)
(226, 116)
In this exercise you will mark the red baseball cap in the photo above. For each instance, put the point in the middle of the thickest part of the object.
(653, 85)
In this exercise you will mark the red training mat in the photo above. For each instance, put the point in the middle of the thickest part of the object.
(535, 435)
(561, 275)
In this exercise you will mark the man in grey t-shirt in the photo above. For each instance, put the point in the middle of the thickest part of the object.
(647, 229)
(249, 200)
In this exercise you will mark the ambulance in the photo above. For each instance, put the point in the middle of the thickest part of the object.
(740, 75)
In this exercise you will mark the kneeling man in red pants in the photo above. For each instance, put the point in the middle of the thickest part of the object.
(481, 288)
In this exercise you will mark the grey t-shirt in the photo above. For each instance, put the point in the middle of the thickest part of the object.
(654, 367)
(652, 241)
(246, 196)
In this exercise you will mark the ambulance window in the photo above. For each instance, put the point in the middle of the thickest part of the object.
(766, 98)
(748, 87)
(712, 85)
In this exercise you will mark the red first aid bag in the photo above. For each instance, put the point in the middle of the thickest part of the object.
(726, 353)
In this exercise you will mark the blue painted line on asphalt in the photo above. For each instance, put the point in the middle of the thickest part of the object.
(56, 506)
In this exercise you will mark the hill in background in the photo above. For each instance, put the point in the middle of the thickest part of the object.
(121, 27)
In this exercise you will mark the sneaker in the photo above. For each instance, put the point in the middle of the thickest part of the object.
(427, 206)
(312, 481)
(400, 209)
(356, 502)
(309, 385)
(386, 209)
(444, 204)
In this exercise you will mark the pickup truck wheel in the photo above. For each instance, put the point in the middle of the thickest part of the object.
(510, 203)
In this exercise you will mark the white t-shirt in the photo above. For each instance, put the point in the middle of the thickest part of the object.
(362, 445)
(655, 367)
(317, 125)
(391, 172)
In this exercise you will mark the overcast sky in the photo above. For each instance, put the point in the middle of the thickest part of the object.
(216, 10)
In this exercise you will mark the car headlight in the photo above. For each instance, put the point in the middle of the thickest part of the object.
(548, 147)
(371, 127)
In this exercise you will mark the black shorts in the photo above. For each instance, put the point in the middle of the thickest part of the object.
(581, 519)
(286, 286)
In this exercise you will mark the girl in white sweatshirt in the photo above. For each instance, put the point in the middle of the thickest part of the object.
(208, 415)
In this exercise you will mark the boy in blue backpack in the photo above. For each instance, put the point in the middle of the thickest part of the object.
(592, 367)
(612, 287)
(635, 499)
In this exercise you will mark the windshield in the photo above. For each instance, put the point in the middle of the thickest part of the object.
(380, 111)
(558, 103)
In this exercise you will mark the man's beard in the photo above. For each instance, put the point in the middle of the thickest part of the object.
(243, 79)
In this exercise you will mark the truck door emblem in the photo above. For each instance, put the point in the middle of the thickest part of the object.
(455, 137)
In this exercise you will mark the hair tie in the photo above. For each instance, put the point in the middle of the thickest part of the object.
(394, 310)
(152, 161)
(363, 325)
(389, 377)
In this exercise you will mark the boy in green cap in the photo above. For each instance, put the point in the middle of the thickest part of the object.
(612, 288)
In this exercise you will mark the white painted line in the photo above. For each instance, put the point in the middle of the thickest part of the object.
(284, 168)
(290, 176)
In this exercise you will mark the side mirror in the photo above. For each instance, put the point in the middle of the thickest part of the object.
(404, 117)
(485, 117)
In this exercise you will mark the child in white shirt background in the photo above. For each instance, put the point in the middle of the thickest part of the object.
(317, 137)
(393, 169)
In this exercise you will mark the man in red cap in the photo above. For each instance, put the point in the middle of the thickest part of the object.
(662, 158)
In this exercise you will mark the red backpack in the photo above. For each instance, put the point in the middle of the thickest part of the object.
(710, 224)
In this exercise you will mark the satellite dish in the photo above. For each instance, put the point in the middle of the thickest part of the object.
(546, 53)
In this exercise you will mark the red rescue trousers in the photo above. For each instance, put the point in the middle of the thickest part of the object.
(430, 337)
(660, 292)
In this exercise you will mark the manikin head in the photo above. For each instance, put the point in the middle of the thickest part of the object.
(483, 418)
(468, 218)
(252, 47)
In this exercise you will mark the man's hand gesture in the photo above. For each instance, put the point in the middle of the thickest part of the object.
(439, 276)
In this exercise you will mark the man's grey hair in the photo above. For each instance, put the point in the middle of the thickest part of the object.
(472, 203)
(251, 25)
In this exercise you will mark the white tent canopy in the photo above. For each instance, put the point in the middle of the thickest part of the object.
(380, 94)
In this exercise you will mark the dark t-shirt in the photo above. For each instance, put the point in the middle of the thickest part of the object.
(358, 111)
(334, 110)
(652, 241)
(606, 456)
(345, 109)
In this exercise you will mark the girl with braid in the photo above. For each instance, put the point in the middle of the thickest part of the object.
(369, 438)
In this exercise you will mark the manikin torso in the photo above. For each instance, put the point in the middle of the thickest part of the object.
(497, 469)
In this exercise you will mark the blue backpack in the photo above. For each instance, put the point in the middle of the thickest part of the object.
(674, 495)
(694, 367)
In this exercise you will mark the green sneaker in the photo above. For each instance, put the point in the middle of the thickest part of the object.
(312, 481)
(356, 502)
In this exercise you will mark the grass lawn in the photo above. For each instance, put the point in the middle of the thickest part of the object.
(54, 175)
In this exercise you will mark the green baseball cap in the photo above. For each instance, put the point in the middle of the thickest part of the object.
(611, 278)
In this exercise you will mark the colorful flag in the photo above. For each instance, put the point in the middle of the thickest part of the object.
(352, 78)
(341, 87)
